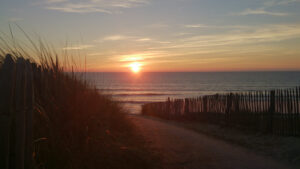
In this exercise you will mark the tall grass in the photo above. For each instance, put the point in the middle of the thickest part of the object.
(75, 127)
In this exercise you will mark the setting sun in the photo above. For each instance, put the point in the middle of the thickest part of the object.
(135, 67)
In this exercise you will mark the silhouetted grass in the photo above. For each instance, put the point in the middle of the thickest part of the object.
(74, 125)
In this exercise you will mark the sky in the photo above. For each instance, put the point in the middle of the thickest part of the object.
(165, 35)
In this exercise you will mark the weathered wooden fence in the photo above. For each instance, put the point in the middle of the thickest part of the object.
(274, 112)
(16, 113)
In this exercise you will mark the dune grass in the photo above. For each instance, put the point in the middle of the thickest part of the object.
(75, 126)
(84, 129)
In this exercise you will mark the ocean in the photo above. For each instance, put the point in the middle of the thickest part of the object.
(133, 90)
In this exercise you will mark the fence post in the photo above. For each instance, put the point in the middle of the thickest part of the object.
(237, 103)
(228, 108)
(229, 103)
(20, 114)
(186, 106)
(6, 94)
(29, 115)
(205, 104)
(271, 111)
(168, 106)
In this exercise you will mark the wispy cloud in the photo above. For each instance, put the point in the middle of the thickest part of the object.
(235, 43)
(143, 39)
(179, 34)
(80, 47)
(55, 1)
(235, 37)
(231, 41)
(116, 38)
(284, 2)
(141, 56)
(90, 6)
(260, 11)
(196, 26)
(125, 37)
(279, 2)
(265, 8)
(78, 8)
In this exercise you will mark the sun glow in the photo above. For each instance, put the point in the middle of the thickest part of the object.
(135, 67)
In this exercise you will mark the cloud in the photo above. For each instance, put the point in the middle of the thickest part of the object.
(125, 37)
(266, 5)
(235, 43)
(285, 2)
(143, 39)
(260, 11)
(78, 8)
(80, 47)
(141, 56)
(235, 37)
(280, 2)
(91, 6)
(116, 38)
(196, 26)
(163, 42)
(55, 1)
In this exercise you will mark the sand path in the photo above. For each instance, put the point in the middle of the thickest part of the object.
(185, 149)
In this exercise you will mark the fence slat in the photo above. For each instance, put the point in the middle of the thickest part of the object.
(29, 115)
(20, 114)
(6, 94)
(275, 111)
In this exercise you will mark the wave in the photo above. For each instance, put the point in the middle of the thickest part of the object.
(119, 93)
(137, 90)
(135, 102)
(144, 94)
(247, 88)
(128, 89)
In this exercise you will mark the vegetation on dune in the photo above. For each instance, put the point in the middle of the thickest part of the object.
(74, 125)
(84, 129)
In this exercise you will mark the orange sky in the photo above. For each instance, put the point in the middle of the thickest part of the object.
(169, 35)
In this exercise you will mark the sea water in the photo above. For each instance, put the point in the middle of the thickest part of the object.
(133, 90)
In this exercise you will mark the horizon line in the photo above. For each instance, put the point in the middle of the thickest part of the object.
(186, 71)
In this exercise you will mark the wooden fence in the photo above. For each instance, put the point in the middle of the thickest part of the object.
(26, 91)
(274, 112)
(16, 113)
